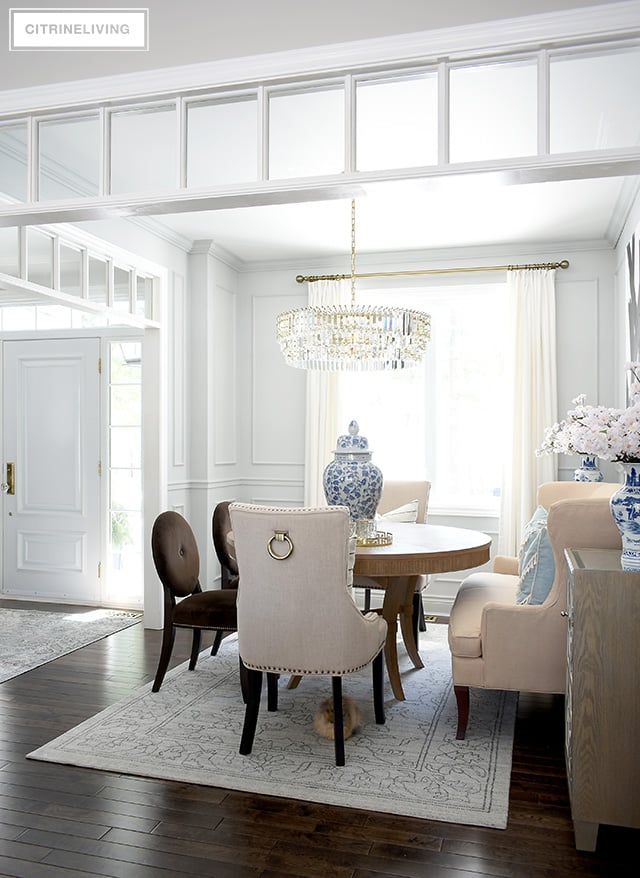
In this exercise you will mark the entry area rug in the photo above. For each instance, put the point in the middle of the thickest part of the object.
(30, 638)
(412, 765)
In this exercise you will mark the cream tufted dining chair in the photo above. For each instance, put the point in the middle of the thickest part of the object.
(296, 613)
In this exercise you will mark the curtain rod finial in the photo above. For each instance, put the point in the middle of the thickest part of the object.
(564, 263)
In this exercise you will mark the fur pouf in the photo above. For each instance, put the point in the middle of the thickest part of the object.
(351, 719)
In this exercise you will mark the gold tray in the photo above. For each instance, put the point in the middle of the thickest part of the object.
(382, 538)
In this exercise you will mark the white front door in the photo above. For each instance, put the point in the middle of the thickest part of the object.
(51, 417)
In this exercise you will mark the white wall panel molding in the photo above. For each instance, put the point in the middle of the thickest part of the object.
(225, 388)
(611, 21)
(278, 392)
(233, 483)
(577, 330)
(178, 371)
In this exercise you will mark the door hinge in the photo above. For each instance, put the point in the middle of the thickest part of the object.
(99, 569)
(99, 365)
(100, 468)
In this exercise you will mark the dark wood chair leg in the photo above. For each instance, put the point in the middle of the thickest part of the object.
(272, 692)
(168, 637)
(195, 648)
(338, 721)
(254, 690)
(217, 640)
(462, 700)
(367, 600)
(378, 687)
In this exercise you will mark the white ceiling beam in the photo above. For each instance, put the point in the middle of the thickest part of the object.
(612, 163)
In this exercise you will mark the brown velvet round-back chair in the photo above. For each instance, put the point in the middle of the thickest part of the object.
(177, 562)
(220, 529)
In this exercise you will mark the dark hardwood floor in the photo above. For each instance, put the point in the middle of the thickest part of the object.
(63, 821)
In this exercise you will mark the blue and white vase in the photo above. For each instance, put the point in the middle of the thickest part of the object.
(625, 508)
(352, 480)
(588, 470)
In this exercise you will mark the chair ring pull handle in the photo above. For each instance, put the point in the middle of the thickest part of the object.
(280, 536)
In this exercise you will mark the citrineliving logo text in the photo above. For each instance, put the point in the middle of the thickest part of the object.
(85, 29)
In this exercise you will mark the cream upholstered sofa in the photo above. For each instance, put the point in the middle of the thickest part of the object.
(496, 643)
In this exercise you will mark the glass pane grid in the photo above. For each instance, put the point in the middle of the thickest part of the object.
(125, 471)
(593, 100)
(222, 142)
(493, 116)
(69, 158)
(306, 133)
(493, 112)
(397, 122)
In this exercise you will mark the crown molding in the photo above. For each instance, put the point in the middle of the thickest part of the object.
(208, 247)
(621, 224)
(505, 251)
(611, 21)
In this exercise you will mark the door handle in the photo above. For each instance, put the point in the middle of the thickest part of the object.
(9, 486)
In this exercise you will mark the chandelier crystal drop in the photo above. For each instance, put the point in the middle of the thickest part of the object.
(357, 338)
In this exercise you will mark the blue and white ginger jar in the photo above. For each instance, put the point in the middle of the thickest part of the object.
(352, 480)
(625, 508)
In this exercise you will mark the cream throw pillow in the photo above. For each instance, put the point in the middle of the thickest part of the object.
(407, 512)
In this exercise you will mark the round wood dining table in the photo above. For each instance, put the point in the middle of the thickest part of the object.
(416, 549)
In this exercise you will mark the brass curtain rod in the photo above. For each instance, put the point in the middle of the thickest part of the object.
(313, 277)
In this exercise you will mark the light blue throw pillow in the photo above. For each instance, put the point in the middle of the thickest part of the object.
(536, 566)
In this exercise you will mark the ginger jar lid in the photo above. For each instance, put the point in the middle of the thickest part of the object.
(352, 443)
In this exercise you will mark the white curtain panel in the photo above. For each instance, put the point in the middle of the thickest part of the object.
(531, 364)
(321, 422)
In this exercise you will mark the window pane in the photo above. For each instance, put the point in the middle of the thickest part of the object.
(493, 111)
(144, 288)
(126, 447)
(69, 158)
(222, 143)
(18, 317)
(125, 473)
(397, 123)
(594, 101)
(97, 280)
(53, 317)
(422, 429)
(70, 270)
(13, 161)
(126, 357)
(39, 258)
(126, 409)
(306, 134)
(121, 289)
(143, 151)
(9, 252)
(126, 489)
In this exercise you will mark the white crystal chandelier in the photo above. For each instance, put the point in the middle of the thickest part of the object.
(359, 338)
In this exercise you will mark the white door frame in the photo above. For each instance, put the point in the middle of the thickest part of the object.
(154, 430)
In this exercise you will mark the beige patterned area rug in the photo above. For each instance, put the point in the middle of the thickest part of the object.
(412, 765)
(31, 638)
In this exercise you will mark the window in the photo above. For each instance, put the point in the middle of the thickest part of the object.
(125, 472)
(442, 420)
